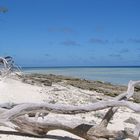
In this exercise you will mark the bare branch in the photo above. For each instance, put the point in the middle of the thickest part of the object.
(17, 116)
(124, 96)
(7, 66)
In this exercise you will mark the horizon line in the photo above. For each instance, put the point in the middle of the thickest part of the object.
(74, 66)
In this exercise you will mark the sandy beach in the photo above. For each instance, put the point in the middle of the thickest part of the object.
(17, 91)
(70, 70)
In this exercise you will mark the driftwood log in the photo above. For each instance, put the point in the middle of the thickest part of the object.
(23, 117)
(7, 67)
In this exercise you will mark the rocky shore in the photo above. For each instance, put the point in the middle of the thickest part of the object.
(107, 89)
(53, 89)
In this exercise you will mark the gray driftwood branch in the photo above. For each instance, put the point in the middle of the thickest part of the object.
(8, 67)
(24, 117)
(18, 117)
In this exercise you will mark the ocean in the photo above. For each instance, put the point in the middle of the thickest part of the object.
(115, 75)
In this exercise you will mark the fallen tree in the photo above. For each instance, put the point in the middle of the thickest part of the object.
(8, 67)
(24, 117)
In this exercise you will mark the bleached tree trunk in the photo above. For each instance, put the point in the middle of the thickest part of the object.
(7, 67)
(17, 116)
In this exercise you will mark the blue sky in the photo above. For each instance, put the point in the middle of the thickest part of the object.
(71, 32)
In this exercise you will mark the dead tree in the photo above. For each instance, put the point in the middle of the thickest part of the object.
(7, 66)
(17, 117)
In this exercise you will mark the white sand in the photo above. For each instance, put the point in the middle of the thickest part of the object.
(15, 91)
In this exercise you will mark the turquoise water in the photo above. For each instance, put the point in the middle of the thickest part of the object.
(115, 75)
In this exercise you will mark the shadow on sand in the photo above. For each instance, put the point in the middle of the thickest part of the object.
(53, 137)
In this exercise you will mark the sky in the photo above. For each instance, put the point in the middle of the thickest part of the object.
(71, 32)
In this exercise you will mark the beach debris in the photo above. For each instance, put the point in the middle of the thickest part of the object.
(105, 88)
(36, 81)
(131, 121)
(8, 67)
(18, 117)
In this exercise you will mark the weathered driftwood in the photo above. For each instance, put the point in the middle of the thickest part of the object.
(24, 117)
(7, 67)
(17, 116)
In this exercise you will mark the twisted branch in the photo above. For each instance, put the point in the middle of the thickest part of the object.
(14, 116)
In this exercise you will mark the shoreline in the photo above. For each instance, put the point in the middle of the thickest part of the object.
(92, 85)
(114, 75)
(108, 89)
(40, 88)
(82, 67)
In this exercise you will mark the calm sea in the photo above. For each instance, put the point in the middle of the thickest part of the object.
(115, 75)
